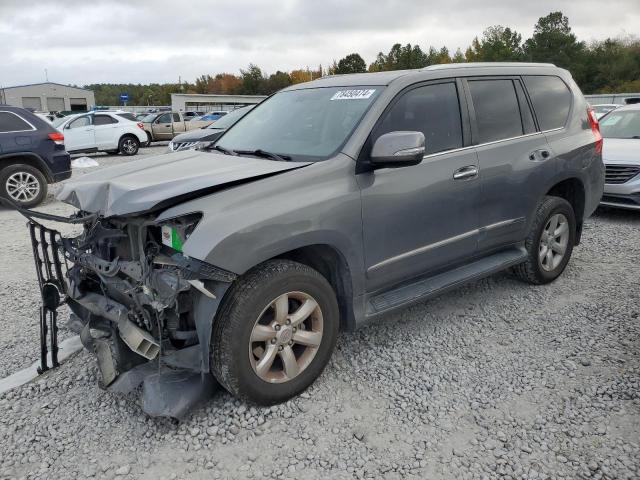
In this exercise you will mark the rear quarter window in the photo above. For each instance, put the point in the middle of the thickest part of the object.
(10, 122)
(551, 100)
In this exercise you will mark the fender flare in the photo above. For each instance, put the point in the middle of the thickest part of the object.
(5, 159)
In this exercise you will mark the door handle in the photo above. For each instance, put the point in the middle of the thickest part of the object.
(470, 171)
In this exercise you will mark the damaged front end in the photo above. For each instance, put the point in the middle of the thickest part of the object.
(141, 306)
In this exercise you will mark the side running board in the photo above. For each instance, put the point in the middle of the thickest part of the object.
(427, 287)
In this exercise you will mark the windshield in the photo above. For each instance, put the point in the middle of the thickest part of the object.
(230, 118)
(310, 124)
(149, 118)
(621, 124)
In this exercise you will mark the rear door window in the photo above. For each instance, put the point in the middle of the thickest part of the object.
(103, 120)
(496, 110)
(551, 100)
(10, 122)
(176, 117)
(431, 109)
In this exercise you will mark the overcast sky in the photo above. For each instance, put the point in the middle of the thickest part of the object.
(120, 41)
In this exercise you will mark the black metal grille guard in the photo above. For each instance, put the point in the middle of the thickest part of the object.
(53, 288)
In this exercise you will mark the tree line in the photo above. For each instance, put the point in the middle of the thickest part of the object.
(611, 65)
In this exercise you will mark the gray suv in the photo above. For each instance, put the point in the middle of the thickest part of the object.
(331, 203)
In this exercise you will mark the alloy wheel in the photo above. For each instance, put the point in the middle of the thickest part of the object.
(553, 242)
(285, 337)
(129, 146)
(22, 187)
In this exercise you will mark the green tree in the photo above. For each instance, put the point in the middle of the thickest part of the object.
(400, 58)
(458, 57)
(352, 63)
(253, 81)
(498, 44)
(554, 42)
(277, 81)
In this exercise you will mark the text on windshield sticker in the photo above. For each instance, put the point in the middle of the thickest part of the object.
(353, 94)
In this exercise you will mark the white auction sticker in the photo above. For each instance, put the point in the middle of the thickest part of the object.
(353, 94)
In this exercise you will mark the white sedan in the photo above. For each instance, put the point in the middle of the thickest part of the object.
(101, 132)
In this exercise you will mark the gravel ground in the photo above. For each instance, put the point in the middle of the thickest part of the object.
(497, 379)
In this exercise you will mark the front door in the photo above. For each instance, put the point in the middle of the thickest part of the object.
(423, 218)
(79, 134)
(163, 127)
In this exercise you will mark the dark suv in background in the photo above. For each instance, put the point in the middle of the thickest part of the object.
(32, 155)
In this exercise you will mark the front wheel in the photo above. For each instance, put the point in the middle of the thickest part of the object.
(549, 243)
(275, 332)
(128, 146)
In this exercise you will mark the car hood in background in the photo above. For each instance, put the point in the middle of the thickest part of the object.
(623, 151)
(198, 134)
(161, 181)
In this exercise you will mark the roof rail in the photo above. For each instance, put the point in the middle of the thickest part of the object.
(444, 66)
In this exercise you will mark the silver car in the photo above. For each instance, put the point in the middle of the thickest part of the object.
(621, 155)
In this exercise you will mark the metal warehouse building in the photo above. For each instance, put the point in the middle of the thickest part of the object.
(49, 97)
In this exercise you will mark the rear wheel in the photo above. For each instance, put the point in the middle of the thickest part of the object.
(275, 332)
(24, 184)
(128, 145)
(549, 243)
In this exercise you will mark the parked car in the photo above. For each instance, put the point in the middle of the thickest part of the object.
(603, 108)
(101, 131)
(32, 155)
(332, 203)
(194, 139)
(166, 125)
(211, 116)
(191, 115)
(621, 153)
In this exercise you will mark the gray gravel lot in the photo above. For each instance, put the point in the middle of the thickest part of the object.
(497, 379)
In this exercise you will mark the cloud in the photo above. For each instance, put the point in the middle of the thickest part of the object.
(116, 41)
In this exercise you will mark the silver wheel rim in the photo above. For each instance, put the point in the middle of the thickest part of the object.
(23, 187)
(129, 146)
(553, 242)
(285, 338)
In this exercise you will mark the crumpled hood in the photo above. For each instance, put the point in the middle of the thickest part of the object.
(621, 151)
(155, 181)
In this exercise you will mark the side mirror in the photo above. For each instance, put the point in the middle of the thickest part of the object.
(398, 149)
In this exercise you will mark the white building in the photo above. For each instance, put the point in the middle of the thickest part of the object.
(181, 102)
(48, 97)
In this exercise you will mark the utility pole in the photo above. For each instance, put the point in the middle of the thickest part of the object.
(46, 75)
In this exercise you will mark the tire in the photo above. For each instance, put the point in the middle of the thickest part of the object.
(539, 269)
(24, 184)
(249, 308)
(128, 145)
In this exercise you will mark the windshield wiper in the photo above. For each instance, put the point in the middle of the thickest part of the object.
(226, 151)
(263, 153)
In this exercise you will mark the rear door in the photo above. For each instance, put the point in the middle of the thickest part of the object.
(422, 218)
(179, 125)
(79, 134)
(514, 158)
(107, 131)
(163, 127)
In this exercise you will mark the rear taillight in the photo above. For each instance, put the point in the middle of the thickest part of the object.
(57, 138)
(595, 128)
(140, 125)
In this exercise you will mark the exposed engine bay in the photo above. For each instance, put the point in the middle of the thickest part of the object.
(141, 306)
